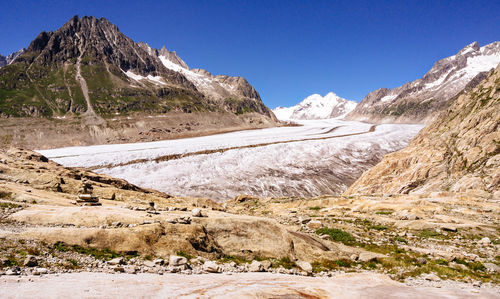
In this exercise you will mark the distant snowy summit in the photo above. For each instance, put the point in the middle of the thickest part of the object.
(421, 100)
(317, 107)
(10, 58)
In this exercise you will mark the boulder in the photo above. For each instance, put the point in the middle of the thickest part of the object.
(30, 261)
(485, 241)
(244, 198)
(176, 260)
(198, 260)
(266, 264)
(196, 212)
(255, 266)
(432, 277)
(490, 267)
(369, 256)
(304, 219)
(449, 227)
(11, 272)
(305, 266)
(159, 261)
(40, 271)
(117, 261)
(412, 217)
(211, 267)
(149, 264)
(314, 224)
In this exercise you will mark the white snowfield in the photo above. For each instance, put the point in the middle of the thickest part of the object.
(320, 157)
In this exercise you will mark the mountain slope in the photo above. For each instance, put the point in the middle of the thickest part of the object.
(87, 83)
(121, 76)
(221, 88)
(317, 107)
(458, 152)
(420, 100)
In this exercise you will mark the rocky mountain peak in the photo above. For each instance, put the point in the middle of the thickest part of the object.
(173, 57)
(40, 42)
(472, 47)
(93, 54)
(3, 61)
(203, 72)
(99, 42)
(419, 101)
(239, 85)
(147, 48)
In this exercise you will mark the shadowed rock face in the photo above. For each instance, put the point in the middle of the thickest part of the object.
(459, 152)
(122, 77)
(420, 100)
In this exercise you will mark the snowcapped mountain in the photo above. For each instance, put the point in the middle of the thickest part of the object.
(420, 100)
(121, 76)
(317, 107)
(14, 55)
(10, 58)
(216, 87)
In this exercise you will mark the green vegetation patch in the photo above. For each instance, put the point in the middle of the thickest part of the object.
(8, 205)
(337, 235)
(101, 254)
(370, 225)
(184, 254)
(229, 258)
(5, 194)
(284, 262)
(327, 265)
(429, 234)
(315, 208)
(384, 212)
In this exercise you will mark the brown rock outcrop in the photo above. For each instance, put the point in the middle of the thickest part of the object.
(458, 152)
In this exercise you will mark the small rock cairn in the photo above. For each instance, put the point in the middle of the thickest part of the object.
(85, 197)
(151, 209)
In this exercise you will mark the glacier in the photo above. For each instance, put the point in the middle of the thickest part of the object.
(319, 157)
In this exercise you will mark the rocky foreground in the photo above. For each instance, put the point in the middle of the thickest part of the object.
(426, 245)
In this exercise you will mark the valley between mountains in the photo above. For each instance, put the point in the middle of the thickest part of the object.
(124, 172)
(319, 157)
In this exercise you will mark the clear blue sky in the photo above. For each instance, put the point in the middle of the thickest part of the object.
(286, 49)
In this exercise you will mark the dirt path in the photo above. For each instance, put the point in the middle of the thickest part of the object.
(222, 150)
(92, 117)
(248, 285)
